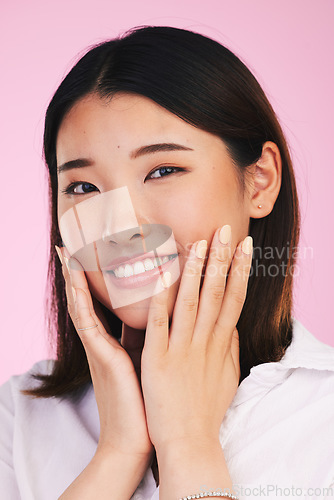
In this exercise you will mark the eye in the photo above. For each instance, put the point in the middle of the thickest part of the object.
(160, 172)
(85, 186)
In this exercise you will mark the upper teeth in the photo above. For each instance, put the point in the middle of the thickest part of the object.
(140, 266)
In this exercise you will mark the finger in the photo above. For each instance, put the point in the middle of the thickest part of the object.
(84, 319)
(81, 309)
(235, 350)
(157, 330)
(236, 290)
(68, 287)
(75, 270)
(88, 326)
(213, 288)
(92, 333)
(186, 306)
(75, 274)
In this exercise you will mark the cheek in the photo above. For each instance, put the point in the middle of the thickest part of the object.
(98, 287)
(218, 202)
(196, 214)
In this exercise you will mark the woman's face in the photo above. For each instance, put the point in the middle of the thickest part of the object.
(191, 188)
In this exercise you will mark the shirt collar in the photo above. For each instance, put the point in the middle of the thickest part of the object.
(305, 351)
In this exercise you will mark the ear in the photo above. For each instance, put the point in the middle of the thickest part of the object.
(265, 181)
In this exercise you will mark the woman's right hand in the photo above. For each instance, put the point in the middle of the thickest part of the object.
(123, 427)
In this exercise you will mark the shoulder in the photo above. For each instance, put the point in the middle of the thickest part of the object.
(10, 390)
(11, 399)
(285, 409)
(311, 365)
(307, 368)
(296, 392)
(306, 351)
(19, 407)
(306, 354)
(20, 412)
(36, 432)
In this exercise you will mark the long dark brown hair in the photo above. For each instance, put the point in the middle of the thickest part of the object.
(206, 85)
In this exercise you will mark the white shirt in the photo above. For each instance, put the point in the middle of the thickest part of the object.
(277, 435)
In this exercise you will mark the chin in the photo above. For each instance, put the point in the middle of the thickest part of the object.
(134, 315)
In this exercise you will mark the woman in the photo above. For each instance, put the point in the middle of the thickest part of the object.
(167, 165)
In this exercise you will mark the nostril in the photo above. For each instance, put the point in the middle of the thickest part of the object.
(137, 235)
(108, 239)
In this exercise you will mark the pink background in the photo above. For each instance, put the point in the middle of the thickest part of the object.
(289, 46)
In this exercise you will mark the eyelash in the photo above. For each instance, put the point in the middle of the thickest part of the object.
(69, 189)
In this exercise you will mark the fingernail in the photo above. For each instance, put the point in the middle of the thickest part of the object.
(201, 249)
(166, 279)
(74, 294)
(67, 264)
(59, 254)
(247, 245)
(225, 234)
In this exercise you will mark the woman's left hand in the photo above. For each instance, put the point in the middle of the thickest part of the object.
(190, 371)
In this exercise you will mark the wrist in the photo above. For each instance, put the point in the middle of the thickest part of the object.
(188, 466)
(190, 447)
(108, 471)
(131, 460)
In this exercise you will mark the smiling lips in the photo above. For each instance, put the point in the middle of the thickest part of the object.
(139, 272)
(140, 266)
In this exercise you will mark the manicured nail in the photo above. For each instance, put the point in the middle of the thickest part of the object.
(67, 264)
(74, 294)
(59, 254)
(247, 245)
(201, 248)
(166, 279)
(225, 234)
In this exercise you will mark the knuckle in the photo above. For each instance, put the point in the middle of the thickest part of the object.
(217, 292)
(238, 296)
(159, 321)
(220, 258)
(191, 269)
(222, 255)
(190, 303)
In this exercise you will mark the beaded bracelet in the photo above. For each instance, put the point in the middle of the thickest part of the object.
(210, 494)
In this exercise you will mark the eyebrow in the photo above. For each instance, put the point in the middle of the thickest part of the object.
(156, 148)
(143, 150)
(79, 163)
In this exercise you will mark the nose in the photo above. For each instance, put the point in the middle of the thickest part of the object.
(123, 224)
(128, 236)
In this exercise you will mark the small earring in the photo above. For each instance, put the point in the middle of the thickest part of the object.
(259, 206)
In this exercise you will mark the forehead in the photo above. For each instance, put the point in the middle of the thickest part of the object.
(123, 122)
